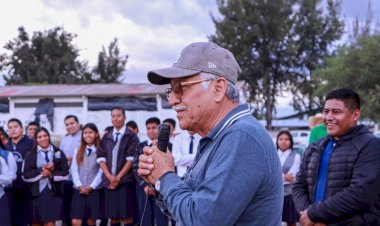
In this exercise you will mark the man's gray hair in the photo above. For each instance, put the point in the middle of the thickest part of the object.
(232, 91)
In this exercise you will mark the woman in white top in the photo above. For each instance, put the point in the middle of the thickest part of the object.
(87, 177)
(290, 163)
(6, 178)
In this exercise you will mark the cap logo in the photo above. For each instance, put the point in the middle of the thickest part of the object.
(211, 65)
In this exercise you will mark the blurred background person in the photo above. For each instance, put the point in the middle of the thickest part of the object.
(3, 136)
(290, 163)
(171, 122)
(185, 146)
(45, 168)
(319, 129)
(31, 129)
(69, 143)
(132, 125)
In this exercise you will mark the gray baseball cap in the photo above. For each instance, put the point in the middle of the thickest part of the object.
(199, 57)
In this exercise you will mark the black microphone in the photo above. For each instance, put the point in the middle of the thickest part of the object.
(163, 137)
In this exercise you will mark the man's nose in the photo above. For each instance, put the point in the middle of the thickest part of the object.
(173, 99)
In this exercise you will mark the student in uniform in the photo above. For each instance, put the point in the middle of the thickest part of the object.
(19, 144)
(45, 168)
(6, 177)
(290, 163)
(115, 158)
(87, 177)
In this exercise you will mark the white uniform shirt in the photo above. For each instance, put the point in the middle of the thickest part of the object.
(6, 175)
(182, 157)
(296, 165)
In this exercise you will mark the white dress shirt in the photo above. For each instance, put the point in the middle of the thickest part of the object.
(70, 142)
(296, 165)
(182, 157)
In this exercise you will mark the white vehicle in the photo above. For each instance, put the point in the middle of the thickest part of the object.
(300, 137)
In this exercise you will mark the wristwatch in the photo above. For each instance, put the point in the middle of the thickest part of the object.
(157, 185)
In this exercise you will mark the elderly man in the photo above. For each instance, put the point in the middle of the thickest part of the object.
(339, 178)
(236, 177)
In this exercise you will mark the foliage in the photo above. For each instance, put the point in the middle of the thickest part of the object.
(356, 67)
(47, 57)
(110, 65)
(278, 44)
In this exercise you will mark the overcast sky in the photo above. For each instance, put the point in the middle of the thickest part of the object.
(151, 32)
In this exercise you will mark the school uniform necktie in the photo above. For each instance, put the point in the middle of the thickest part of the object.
(191, 145)
(46, 156)
(117, 137)
(89, 151)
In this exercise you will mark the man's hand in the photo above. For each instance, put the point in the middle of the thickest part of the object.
(153, 163)
(305, 220)
(289, 177)
(149, 191)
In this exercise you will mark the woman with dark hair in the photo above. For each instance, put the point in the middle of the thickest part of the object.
(290, 162)
(87, 177)
(45, 167)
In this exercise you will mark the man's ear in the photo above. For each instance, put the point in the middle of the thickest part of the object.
(220, 89)
(357, 114)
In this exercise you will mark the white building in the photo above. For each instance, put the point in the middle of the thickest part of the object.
(90, 103)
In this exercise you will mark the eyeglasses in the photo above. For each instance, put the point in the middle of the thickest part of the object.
(177, 88)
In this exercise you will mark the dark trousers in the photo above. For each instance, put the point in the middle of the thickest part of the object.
(68, 192)
(4, 211)
(18, 204)
(152, 212)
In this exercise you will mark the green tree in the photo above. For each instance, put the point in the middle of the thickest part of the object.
(48, 57)
(356, 66)
(315, 34)
(110, 65)
(277, 43)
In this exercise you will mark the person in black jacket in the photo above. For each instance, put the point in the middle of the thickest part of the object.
(45, 168)
(339, 178)
(19, 144)
(115, 158)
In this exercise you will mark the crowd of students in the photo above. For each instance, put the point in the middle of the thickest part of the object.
(86, 178)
